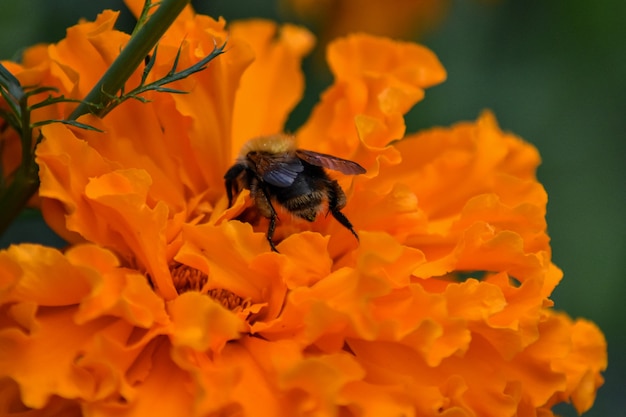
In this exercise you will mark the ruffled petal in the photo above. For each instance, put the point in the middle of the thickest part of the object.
(77, 341)
(104, 202)
(582, 362)
(193, 313)
(89, 48)
(278, 52)
(154, 376)
(376, 78)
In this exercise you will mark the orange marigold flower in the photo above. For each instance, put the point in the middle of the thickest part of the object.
(169, 303)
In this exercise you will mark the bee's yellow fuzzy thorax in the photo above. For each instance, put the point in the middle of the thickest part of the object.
(273, 144)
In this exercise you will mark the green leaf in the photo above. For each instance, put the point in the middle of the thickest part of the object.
(11, 84)
(67, 122)
(53, 100)
(31, 91)
(138, 98)
(12, 119)
(170, 77)
(149, 65)
(170, 90)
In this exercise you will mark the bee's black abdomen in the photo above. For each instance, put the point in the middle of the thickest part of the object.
(277, 173)
(306, 195)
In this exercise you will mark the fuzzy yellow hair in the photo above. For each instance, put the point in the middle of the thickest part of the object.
(272, 144)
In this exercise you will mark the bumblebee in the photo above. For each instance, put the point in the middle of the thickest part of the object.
(276, 172)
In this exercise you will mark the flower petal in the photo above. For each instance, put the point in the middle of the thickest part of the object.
(79, 60)
(583, 363)
(375, 77)
(193, 313)
(39, 275)
(274, 78)
(76, 341)
(164, 379)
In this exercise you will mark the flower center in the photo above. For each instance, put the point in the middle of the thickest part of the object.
(229, 299)
(190, 279)
(187, 279)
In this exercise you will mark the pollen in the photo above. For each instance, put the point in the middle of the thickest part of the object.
(187, 279)
(190, 279)
(229, 299)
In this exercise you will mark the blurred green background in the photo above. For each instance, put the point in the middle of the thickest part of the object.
(553, 72)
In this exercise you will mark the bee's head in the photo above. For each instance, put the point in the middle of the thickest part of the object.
(272, 144)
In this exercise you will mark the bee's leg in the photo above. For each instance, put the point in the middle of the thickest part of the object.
(230, 181)
(270, 232)
(336, 201)
(341, 218)
(265, 207)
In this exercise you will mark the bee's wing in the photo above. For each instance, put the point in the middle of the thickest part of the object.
(280, 172)
(331, 162)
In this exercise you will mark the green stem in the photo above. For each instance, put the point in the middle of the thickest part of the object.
(129, 59)
(16, 195)
(26, 135)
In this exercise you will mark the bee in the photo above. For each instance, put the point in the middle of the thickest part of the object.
(276, 172)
